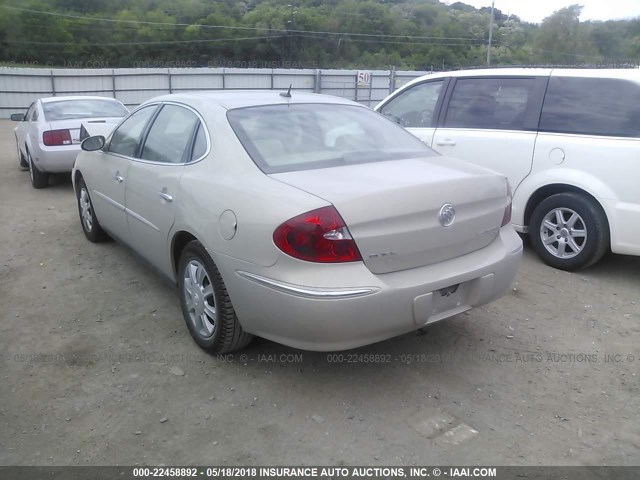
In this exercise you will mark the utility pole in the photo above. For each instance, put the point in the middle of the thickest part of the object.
(292, 23)
(490, 35)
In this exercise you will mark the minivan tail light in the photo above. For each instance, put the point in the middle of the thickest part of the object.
(53, 138)
(317, 236)
(506, 217)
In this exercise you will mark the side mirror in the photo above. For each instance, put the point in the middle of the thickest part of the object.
(17, 117)
(92, 144)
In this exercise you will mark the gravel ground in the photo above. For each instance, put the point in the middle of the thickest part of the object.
(98, 368)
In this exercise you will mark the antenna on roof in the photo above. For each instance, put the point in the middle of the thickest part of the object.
(287, 94)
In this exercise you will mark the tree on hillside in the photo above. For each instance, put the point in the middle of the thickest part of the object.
(411, 34)
(560, 40)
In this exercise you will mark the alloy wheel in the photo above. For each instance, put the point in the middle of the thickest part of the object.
(563, 233)
(86, 212)
(199, 298)
(30, 166)
(21, 161)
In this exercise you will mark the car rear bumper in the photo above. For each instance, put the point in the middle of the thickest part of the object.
(624, 224)
(348, 306)
(56, 159)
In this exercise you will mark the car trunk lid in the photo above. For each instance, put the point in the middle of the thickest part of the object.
(393, 209)
(75, 124)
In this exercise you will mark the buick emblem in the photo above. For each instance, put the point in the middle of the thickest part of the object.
(447, 215)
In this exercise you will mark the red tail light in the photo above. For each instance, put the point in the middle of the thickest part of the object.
(53, 138)
(317, 236)
(506, 218)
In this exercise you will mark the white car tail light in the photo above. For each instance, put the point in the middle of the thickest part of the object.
(54, 138)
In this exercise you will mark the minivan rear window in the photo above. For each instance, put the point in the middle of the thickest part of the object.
(489, 103)
(285, 138)
(592, 106)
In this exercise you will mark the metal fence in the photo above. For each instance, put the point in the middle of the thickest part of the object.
(21, 86)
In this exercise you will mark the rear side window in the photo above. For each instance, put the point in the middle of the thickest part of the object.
(199, 144)
(489, 103)
(415, 107)
(170, 136)
(592, 106)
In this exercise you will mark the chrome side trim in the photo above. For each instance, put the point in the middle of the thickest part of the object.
(110, 200)
(126, 210)
(142, 219)
(308, 292)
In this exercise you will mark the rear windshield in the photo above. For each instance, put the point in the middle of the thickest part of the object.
(286, 138)
(70, 109)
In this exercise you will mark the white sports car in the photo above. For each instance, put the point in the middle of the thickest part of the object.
(48, 136)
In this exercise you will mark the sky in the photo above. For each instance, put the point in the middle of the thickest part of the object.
(535, 10)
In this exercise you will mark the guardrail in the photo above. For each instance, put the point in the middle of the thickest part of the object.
(19, 87)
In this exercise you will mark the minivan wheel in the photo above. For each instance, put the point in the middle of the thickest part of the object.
(205, 302)
(90, 225)
(569, 231)
(38, 179)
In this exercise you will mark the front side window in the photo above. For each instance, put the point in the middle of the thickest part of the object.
(126, 138)
(591, 106)
(170, 136)
(284, 138)
(489, 103)
(415, 107)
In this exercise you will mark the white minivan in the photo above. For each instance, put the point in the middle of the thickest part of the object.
(568, 140)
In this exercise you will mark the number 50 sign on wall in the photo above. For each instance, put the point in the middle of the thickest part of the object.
(364, 78)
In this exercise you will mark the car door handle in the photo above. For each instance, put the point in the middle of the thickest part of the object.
(165, 196)
(447, 142)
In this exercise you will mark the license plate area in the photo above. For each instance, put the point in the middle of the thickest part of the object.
(449, 298)
(440, 304)
(448, 291)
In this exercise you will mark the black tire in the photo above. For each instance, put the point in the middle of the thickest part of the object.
(591, 219)
(38, 179)
(90, 225)
(21, 160)
(225, 334)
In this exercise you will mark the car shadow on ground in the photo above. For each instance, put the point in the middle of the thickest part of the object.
(622, 268)
(611, 265)
(434, 344)
(57, 181)
(455, 340)
(60, 181)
